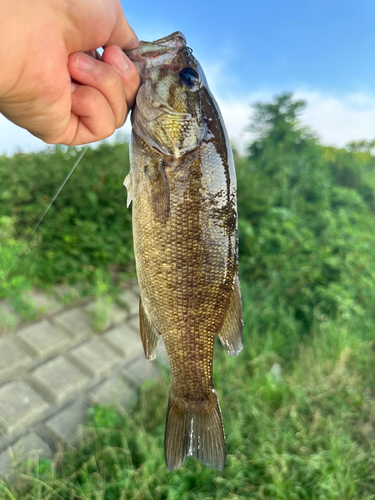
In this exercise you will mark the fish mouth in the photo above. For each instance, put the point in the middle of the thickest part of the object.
(170, 38)
(150, 115)
(157, 53)
(149, 55)
(170, 43)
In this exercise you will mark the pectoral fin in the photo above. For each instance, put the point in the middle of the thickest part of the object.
(159, 190)
(230, 334)
(128, 185)
(149, 334)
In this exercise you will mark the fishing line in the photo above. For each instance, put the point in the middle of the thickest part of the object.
(49, 206)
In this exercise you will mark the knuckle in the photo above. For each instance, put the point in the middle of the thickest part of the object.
(110, 127)
(133, 76)
(113, 81)
(121, 120)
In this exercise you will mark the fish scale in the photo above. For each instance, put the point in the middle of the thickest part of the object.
(182, 184)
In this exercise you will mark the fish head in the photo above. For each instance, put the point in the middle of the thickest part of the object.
(168, 113)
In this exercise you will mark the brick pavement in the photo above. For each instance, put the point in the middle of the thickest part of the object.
(53, 369)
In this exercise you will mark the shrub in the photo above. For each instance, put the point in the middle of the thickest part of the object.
(88, 227)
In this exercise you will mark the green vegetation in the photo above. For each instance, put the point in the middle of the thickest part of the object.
(298, 402)
(86, 233)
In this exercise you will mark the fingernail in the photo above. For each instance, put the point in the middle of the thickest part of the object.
(120, 61)
(84, 62)
(73, 87)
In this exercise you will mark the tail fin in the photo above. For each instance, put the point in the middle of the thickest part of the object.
(194, 433)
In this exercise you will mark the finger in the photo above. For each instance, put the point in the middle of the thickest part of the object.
(131, 81)
(91, 120)
(122, 34)
(104, 78)
(99, 24)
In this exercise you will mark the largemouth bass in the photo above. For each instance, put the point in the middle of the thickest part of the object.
(183, 187)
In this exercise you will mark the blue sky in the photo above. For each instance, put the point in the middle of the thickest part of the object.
(251, 50)
(272, 43)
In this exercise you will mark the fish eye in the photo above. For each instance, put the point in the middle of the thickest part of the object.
(189, 76)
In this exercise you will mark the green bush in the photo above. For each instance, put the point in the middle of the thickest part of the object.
(306, 220)
(88, 227)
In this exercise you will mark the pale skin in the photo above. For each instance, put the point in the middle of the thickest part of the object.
(45, 44)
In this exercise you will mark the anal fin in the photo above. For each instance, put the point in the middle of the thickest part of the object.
(149, 334)
(230, 334)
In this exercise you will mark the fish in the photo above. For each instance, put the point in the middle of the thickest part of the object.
(182, 185)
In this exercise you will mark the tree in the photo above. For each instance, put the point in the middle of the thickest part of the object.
(306, 218)
(276, 124)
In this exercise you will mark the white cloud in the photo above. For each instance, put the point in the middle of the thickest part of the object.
(336, 120)
(339, 120)
(237, 114)
(14, 138)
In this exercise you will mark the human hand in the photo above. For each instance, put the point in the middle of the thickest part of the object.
(45, 43)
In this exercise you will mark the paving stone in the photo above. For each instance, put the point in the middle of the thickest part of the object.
(113, 391)
(134, 323)
(139, 371)
(4, 441)
(6, 461)
(20, 405)
(125, 341)
(95, 357)
(63, 426)
(12, 357)
(59, 379)
(46, 304)
(117, 314)
(130, 301)
(29, 447)
(75, 322)
(43, 338)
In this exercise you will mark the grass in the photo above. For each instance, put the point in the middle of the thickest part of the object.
(299, 425)
(298, 402)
